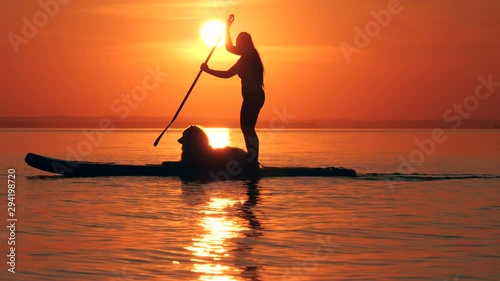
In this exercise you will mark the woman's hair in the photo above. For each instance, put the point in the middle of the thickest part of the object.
(244, 41)
(246, 47)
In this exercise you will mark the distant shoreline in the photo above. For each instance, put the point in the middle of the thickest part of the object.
(161, 122)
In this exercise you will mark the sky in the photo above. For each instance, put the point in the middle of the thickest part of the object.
(323, 59)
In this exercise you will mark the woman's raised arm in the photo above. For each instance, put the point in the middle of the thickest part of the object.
(229, 43)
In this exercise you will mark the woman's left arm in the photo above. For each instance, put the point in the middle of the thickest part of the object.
(220, 73)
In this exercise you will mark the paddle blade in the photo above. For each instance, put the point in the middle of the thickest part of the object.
(157, 141)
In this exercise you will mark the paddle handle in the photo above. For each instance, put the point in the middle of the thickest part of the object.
(189, 92)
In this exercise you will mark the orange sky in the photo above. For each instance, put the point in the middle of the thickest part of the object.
(90, 53)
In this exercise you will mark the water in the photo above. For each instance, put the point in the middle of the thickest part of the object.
(438, 220)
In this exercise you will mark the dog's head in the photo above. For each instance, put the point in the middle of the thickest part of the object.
(194, 136)
(195, 143)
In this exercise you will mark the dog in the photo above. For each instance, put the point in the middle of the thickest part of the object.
(196, 151)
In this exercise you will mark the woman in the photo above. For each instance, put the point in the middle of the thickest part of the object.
(251, 71)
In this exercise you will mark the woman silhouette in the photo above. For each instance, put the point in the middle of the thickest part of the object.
(251, 71)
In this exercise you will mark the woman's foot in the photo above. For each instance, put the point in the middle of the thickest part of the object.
(251, 168)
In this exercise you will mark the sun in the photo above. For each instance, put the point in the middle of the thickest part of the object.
(218, 137)
(211, 31)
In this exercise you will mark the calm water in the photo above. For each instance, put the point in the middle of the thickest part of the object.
(440, 223)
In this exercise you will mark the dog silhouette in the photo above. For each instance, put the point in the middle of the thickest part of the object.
(196, 151)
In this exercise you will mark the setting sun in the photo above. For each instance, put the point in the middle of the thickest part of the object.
(219, 137)
(211, 31)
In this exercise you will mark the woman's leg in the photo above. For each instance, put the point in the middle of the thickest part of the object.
(248, 119)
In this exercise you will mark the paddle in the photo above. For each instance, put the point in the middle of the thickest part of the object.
(190, 89)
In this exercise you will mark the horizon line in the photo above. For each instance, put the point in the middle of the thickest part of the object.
(236, 119)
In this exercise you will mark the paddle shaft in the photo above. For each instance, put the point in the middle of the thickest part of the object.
(189, 92)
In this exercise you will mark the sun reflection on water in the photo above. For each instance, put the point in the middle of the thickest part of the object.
(210, 249)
